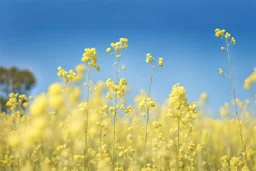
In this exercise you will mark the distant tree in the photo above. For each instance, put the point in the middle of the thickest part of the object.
(14, 80)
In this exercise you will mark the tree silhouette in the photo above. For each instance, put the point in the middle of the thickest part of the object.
(14, 80)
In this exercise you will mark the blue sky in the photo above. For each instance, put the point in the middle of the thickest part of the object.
(43, 34)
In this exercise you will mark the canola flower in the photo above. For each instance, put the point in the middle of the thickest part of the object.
(68, 76)
(117, 90)
(59, 130)
(147, 103)
(90, 59)
(229, 41)
(183, 112)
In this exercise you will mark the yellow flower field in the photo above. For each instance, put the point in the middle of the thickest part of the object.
(66, 129)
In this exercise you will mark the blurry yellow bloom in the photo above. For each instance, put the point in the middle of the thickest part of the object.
(149, 58)
(221, 72)
(55, 89)
(227, 35)
(80, 68)
(123, 82)
(233, 40)
(156, 124)
(219, 33)
(250, 80)
(160, 61)
(55, 101)
(25, 105)
(39, 105)
(108, 50)
(225, 110)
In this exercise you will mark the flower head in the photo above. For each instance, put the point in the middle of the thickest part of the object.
(90, 57)
(160, 61)
(149, 58)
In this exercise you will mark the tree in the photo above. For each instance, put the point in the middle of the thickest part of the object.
(15, 80)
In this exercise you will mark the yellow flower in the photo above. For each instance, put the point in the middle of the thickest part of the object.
(248, 82)
(227, 35)
(221, 72)
(225, 110)
(178, 104)
(55, 101)
(55, 89)
(123, 82)
(80, 68)
(118, 46)
(39, 105)
(108, 50)
(68, 76)
(149, 58)
(233, 40)
(90, 57)
(160, 61)
(219, 33)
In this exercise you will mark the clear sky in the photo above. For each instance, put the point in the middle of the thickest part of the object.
(43, 34)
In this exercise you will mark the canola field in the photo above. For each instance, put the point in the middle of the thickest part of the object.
(63, 130)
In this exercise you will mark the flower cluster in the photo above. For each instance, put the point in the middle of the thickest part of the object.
(80, 68)
(222, 33)
(118, 46)
(150, 59)
(146, 104)
(39, 105)
(55, 96)
(117, 89)
(67, 75)
(160, 61)
(16, 100)
(179, 107)
(90, 57)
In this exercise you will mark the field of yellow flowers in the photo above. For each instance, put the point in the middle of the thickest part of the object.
(64, 130)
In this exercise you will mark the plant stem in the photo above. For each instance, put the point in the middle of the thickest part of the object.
(146, 136)
(147, 119)
(178, 136)
(87, 121)
(101, 121)
(114, 126)
(236, 106)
